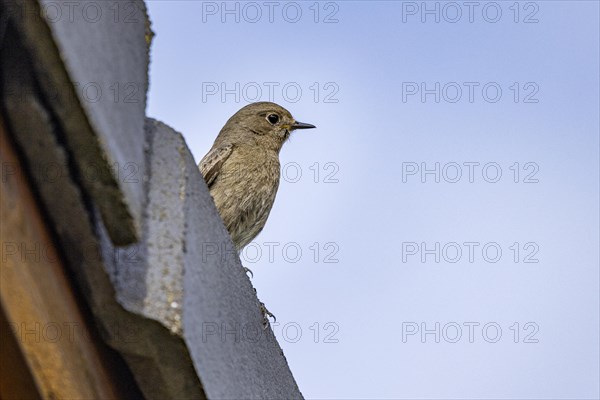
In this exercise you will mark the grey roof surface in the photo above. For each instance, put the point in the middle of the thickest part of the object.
(95, 74)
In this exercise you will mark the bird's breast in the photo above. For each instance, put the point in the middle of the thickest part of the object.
(252, 173)
(245, 191)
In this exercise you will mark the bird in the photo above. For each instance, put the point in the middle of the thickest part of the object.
(242, 169)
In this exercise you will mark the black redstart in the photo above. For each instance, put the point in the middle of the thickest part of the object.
(242, 168)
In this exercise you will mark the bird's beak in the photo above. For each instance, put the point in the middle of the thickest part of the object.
(302, 125)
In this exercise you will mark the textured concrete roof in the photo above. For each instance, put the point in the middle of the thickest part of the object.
(95, 73)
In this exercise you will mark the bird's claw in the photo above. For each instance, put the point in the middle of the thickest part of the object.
(266, 314)
(247, 270)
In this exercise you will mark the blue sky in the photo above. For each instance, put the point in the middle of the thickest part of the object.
(357, 224)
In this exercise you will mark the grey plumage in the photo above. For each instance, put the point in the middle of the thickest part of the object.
(242, 168)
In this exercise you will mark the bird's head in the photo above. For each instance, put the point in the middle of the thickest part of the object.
(266, 123)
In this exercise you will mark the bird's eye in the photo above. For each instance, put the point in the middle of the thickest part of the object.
(273, 119)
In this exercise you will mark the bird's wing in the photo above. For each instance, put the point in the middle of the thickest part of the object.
(212, 162)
